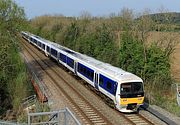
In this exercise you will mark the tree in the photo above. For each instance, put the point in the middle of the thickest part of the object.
(131, 54)
(143, 27)
(71, 35)
(85, 15)
(158, 66)
(11, 18)
(127, 18)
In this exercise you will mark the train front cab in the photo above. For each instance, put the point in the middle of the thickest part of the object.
(130, 96)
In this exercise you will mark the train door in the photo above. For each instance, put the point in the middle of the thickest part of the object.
(118, 96)
(46, 53)
(96, 81)
(75, 67)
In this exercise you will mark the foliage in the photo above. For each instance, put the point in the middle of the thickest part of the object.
(131, 56)
(71, 35)
(12, 69)
(11, 15)
(158, 65)
(103, 46)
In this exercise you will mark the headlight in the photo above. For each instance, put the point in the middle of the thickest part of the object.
(139, 98)
(124, 100)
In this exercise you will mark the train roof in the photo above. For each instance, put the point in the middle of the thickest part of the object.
(116, 72)
(112, 71)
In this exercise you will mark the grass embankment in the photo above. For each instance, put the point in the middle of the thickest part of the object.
(133, 49)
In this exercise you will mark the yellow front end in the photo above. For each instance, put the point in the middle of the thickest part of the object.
(130, 104)
(137, 100)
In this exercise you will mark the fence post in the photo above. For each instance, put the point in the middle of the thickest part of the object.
(70, 113)
(178, 94)
(65, 117)
(29, 119)
(58, 117)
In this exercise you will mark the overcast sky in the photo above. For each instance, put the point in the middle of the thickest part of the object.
(35, 8)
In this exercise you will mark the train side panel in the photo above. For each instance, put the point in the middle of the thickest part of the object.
(85, 72)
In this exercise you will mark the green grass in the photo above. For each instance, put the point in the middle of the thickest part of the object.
(163, 97)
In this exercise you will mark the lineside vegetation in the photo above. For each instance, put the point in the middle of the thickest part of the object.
(13, 75)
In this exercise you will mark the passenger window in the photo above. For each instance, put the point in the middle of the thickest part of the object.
(43, 46)
(39, 44)
(78, 68)
(48, 48)
(108, 85)
(62, 57)
(84, 70)
(72, 64)
(88, 73)
(91, 75)
(101, 81)
(81, 69)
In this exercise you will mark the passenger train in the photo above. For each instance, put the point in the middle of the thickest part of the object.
(123, 89)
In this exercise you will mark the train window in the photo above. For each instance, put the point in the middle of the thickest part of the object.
(88, 73)
(43, 46)
(39, 44)
(81, 69)
(137, 87)
(91, 75)
(115, 87)
(101, 81)
(31, 39)
(62, 57)
(48, 49)
(78, 68)
(126, 88)
(131, 89)
(109, 85)
(84, 70)
(35, 41)
(54, 52)
(70, 62)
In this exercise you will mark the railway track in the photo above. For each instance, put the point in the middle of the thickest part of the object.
(88, 113)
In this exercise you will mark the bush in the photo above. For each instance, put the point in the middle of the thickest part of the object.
(158, 66)
(131, 57)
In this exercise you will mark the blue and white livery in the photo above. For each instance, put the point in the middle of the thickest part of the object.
(122, 89)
